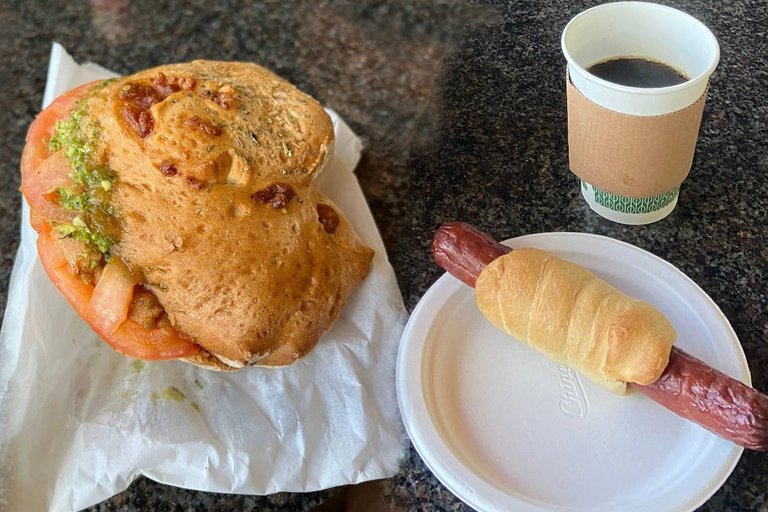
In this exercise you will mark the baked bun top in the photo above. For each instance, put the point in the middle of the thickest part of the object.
(218, 210)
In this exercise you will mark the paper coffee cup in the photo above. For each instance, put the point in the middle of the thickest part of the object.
(639, 118)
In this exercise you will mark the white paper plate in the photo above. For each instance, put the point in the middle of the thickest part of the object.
(504, 428)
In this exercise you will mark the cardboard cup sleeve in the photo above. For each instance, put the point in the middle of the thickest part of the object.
(633, 156)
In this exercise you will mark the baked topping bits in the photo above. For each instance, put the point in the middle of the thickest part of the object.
(194, 184)
(277, 195)
(140, 97)
(224, 97)
(168, 169)
(328, 218)
(204, 126)
(169, 85)
(140, 120)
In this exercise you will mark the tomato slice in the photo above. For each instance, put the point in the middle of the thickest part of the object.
(133, 340)
(36, 221)
(129, 338)
(56, 266)
(37, 185)
(104, 307)
(43, 127)
(38, 175)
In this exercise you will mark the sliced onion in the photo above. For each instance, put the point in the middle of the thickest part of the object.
(108, 307)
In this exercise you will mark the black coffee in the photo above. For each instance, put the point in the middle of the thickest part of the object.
(634, 72)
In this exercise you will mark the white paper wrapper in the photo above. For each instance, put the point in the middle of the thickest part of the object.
(80, 421)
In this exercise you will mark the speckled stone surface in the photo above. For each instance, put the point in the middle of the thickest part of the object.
(487, 145)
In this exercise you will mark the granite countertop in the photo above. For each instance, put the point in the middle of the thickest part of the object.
(436, 90)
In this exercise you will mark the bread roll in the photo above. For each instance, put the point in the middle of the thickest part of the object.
(219, 208)
(575, 318)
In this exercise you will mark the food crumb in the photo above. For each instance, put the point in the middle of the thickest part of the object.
(137, 365)
(174, 394)
(128, 397)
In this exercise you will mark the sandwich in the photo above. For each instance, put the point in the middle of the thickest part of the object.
(178, 213)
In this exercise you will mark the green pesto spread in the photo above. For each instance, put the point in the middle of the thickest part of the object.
(72, 200)
(76, 136)
(84, 234)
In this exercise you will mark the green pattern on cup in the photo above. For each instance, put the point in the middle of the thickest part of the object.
(625, 204)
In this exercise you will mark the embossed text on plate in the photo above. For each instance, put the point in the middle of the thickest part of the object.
(573, 400)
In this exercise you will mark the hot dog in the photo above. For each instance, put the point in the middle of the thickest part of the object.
(688, 387)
